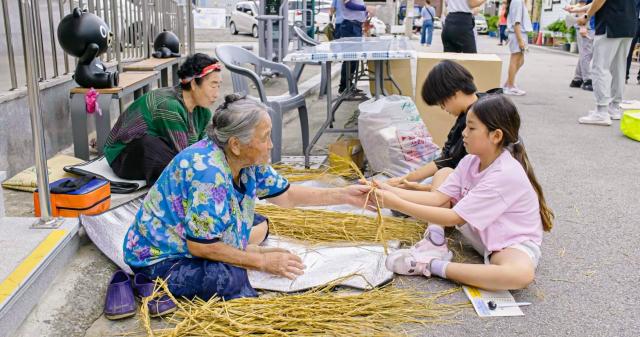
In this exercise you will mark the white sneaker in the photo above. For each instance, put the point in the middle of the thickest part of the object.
(594, 119)
(513, 91)
(615, 113)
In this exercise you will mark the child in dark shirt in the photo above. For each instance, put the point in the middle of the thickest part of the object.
(449, 85)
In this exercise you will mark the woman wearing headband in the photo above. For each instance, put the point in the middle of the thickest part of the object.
(161, 123)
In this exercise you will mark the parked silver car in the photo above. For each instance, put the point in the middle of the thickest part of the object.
(481, 24)
(243, 18)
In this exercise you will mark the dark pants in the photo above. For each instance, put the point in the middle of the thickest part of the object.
(635, 40)
(336, 31)
(143, 159)
(349, 28)
(503, 33)
(191, 277)
(458, 33)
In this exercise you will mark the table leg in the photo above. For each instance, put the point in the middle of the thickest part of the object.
(138, 93)
(329, 118)
(174, 75)
(331, 109)
(379, 78)
(78, 112)
(164, 77)
(388, 64)
(103, 121)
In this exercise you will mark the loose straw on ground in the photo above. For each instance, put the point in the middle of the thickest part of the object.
(386, 311)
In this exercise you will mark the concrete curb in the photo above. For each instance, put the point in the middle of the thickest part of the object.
(551, 50)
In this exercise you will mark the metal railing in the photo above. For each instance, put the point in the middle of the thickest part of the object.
(134, 23)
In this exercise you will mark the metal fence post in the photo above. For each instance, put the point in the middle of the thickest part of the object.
(115, 8)
(7, 31)
(37, 130)
(190, 30)
(146, 20)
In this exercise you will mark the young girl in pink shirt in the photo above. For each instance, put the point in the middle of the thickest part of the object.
(492, 197)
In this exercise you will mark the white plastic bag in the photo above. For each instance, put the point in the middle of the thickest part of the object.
(394, 138)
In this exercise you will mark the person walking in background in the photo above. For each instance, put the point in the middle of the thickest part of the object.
(337, 11)
(636, 39)
(518, 24)
(616, 22)
(585, 35)
(458, 32)
(502, 22)
(354, 14)
(428, 12)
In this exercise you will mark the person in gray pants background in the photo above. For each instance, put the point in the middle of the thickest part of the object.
(584, 38)
(615, 27)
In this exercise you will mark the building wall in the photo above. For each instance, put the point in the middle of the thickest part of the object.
(16, 145)
(552, 10)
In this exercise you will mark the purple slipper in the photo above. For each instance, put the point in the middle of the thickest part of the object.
(157, 307)
(120, 302)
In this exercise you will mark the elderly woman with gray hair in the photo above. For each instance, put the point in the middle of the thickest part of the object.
(196, 228)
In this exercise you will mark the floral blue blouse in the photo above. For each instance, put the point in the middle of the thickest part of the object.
(195, 198)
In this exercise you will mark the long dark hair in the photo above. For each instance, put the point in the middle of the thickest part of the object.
(499, 112)
(506, 8)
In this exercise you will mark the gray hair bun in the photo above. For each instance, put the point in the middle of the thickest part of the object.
(230, 99)
(237, 116)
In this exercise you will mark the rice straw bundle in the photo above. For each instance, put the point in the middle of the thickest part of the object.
(297, 174)
(386, 311)
(316, 226)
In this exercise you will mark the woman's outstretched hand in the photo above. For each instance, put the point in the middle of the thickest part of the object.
(283, 264)
(356, 195)
(383, 194)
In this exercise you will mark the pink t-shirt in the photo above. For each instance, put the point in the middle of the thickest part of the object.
(499, 204)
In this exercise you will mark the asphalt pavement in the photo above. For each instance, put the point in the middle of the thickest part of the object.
(586, 281)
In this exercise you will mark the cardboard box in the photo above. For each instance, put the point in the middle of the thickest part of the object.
(486, 70)
(346, 148)
(401, 73)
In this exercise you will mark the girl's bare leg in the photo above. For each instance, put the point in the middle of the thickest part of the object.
(509, 269)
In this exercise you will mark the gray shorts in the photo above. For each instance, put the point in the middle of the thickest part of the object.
(513, 42)
(528, 247)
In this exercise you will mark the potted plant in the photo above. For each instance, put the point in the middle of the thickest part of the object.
(548, 39)
(492, 25)
(573, 45)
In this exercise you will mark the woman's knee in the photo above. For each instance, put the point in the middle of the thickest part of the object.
(204, 279)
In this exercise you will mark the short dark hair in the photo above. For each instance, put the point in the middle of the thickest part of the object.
(444, 80)
(193, 66)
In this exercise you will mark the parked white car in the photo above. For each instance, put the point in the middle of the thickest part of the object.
(243, 18)
(320, 13)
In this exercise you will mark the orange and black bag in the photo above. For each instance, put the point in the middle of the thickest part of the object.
(71, 197)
